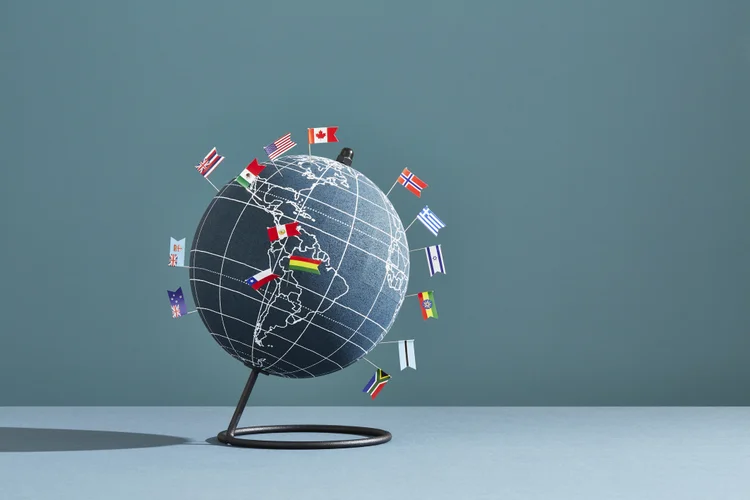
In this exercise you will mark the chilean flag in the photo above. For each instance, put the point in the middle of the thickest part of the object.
(281, 232)
(322, 134)
(261, 278)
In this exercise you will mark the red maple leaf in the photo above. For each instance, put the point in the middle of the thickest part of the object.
(320, 134)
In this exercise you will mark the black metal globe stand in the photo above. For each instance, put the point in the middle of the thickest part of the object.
(372, 436)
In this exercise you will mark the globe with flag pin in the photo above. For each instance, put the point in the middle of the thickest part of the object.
(299, 265)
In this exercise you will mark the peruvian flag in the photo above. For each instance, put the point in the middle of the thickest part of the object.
(322, 134)
(281, 232)
(261, 278)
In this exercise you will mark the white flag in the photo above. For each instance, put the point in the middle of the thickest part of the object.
(435, 259)
(176, 252)
(406, 354)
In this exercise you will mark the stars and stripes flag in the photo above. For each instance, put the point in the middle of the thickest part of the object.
(376, 383)
(176, 252)
(177, 303)
(209, 163)
(261, 278)
(435, 259)
(321, 134)
(406, 354)
(412, 182)
(279, 146)
(430, 220)
(248, 176)
(281, 232)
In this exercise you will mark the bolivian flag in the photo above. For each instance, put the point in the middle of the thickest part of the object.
(427, 303)
(297, 263)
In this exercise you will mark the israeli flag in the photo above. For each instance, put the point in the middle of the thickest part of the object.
(430, 220)
(435, 260)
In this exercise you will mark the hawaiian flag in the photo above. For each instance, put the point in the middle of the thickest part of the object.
(412, 182)
(261, 278)
(281, 232)
(251, 172)
(279, 146)
(209, 163)
(177, 303)
(376, 383)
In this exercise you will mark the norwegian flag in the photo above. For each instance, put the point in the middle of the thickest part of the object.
(279, 146)
(412, 182)
(209, 163)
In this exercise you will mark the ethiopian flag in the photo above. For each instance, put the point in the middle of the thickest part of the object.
(427, 303)
(297, 263)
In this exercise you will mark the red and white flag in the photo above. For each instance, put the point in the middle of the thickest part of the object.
(281, 232)
(251, 172)
(322, 134)
(412, 182)
(209, 163)
(261, 278)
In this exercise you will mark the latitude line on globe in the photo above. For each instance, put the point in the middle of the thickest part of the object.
(296, 284)
(269, 332)
(341, 260)
(372, 306)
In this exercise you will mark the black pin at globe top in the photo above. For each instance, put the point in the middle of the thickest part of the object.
(244, 337)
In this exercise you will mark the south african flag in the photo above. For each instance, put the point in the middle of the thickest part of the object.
(376, 383)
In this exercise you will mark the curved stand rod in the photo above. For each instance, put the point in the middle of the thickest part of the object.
(372, 436)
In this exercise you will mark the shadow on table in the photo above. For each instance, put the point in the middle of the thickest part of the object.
(25, 439)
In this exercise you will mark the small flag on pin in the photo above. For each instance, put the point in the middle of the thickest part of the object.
(322, 134)
(435, 259)
(177, 303)
(250, 174)
(427, 304)
(430, 220)
(412, 182)
(209, 163)
(279, 146)
(406, 354)
(376, 383)
(281, 232)
(298, 263)
(176, 252)
(261, 278)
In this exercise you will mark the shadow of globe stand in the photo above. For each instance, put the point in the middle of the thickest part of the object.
(371, 436)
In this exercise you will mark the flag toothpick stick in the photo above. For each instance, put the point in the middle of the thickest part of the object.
(373, 364)
(217, 189)
(391, 341)
(389, 191)
(410, 295)
(412, 222)
(417, 249)
(277, 168)
(191, 312)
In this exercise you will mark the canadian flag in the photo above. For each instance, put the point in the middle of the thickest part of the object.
(322, 134)
(281, 232)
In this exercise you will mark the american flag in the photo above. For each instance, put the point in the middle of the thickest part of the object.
(279, 146)
(209, 163)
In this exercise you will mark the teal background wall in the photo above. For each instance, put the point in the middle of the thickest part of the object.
(590, 159)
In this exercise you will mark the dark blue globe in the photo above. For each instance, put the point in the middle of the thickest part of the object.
(300, 324)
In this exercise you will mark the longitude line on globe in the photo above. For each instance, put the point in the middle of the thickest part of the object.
(375, 300)
(341, 260)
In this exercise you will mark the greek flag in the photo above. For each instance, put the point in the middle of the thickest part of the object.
(435, 259)
(430, 220)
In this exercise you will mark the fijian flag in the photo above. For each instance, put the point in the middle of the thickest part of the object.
(406, 354)
(430, 220)
(209, 163)
(376, 383)
(412, 182)
(435, 259)
(177, 303)
(279, 146)
(176, 252)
